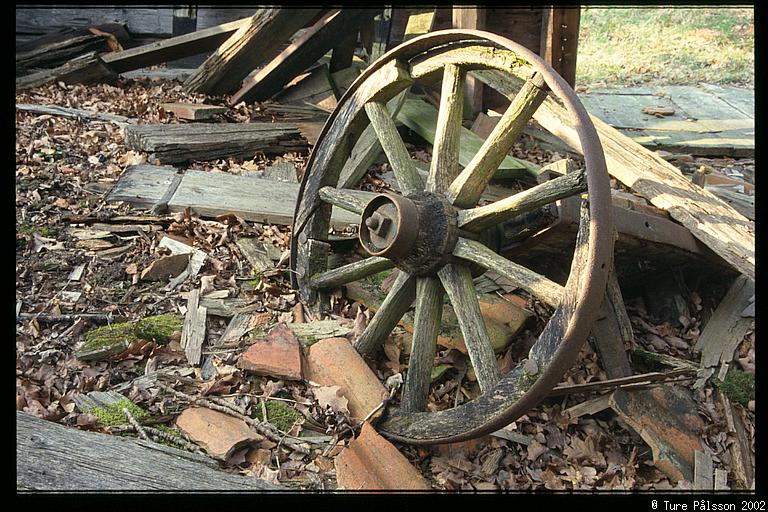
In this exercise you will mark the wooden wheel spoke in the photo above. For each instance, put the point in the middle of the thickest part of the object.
(351, 272)
(457, 282)
(426, 327)
(465, 190)
(396, 303)
(537, 285)
(350, 200)
(405, 171)
(482, 217)
(445, 153)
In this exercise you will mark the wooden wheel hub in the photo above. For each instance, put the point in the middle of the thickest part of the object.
(417, 232)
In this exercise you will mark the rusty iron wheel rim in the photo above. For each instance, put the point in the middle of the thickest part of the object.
(410, 427)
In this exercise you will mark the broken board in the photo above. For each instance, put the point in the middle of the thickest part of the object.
(212, 194)
(706, 120)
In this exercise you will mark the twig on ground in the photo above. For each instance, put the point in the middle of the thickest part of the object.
(135, 424)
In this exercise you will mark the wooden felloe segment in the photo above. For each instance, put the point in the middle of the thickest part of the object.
(173, 48)
(302, 53)
(88, 68)
(254, 41)
(421, 117)
(185, 142)
(52, 457)
(717, 225)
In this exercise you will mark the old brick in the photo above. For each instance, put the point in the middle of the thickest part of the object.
(335, 362)
(277, 355)
(218, 433)
(372, 462)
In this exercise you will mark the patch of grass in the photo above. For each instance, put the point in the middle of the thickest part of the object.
(665, 46)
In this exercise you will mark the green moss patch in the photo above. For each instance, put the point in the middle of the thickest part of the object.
(280, 414)
(112, 415)
(112, 339)
(738, 386)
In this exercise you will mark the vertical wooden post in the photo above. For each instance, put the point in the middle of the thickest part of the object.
(185, 22)
(560, 40)
(342, 55)
(381, 27)
(472, 18)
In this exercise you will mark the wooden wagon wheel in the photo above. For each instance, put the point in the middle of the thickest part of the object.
(434, 232)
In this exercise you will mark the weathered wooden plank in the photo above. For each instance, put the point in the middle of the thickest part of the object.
(302, 53)
(52, 457)
(194, 342)
(178, 47)
(142, 185)
(717, 225)
(85, 69)
(560, 39)
(193, 111)
(207, 141)
(426, 326)
(239, 55)
(421, 117)
(57, 53)
(457, 282)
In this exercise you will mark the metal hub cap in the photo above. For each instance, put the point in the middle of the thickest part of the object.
(417, 232)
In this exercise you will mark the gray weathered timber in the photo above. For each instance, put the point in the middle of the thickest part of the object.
(351, 272)
(188, 327)
(185, 142)
(611, 331)
(351, 200)
(721, 228)
(397, 302)
(482, 217)
(367, 148)
(256, 254)
(77, 113)
(466, 189)
(537, 285)
(421, 117)
(58, 53)
(85, 69)
(246, 49)
(457, 282)
(143, 185)
(174, 48)
(426, 327)
(445, 152)
(394, 147)
(52, 457)
(301, 54)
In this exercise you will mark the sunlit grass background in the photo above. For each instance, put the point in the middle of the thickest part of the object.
(665, 45)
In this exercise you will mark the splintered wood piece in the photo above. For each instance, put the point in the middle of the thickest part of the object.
(588, 407)
(397, 302)
(477, 219)
(173, 48)
(302, 53)
(537, 285)
(445, 151)
(335, 362)
(397, 154)
(218, 433)
(193, 111)
(457, 282)
(256, 254)
(466, 189)
(259, 37)
(371, 462)
(426, 326)
(351, 272)
(193, 301)
(666, 418)
(194, 343)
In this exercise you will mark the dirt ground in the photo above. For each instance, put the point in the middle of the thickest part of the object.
(64, 167)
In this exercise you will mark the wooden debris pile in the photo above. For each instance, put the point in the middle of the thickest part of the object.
(155, 300)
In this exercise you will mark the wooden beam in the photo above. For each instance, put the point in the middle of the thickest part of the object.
(301, 54)
(560, 40)
(471, 18)
(52, 457)
(173, 48)
(254, 41)
(84, 69)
